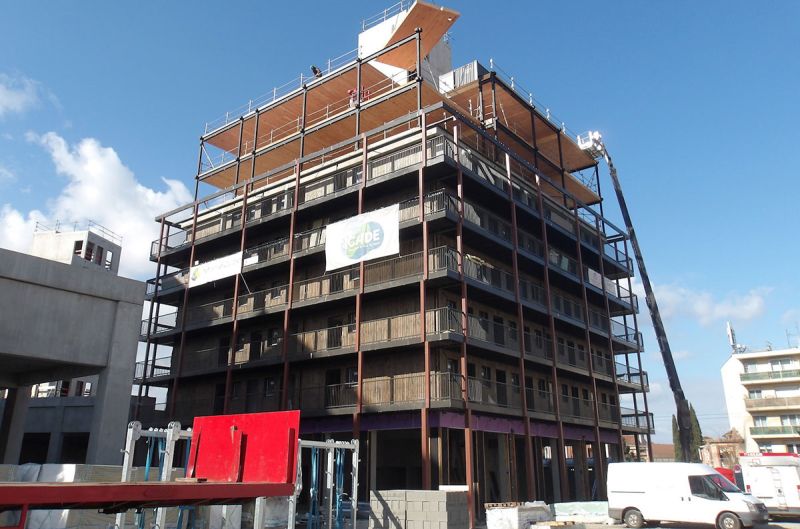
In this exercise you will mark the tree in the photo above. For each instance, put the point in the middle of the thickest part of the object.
(676, 439)
(696, 437)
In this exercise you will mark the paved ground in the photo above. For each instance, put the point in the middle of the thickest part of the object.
(778, 524)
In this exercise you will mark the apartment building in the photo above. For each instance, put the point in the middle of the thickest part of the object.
(762, 394)
(497, 346)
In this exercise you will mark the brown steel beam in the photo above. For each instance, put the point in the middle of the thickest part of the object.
(520, 333)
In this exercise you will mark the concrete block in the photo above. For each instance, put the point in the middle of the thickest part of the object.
(436, 516)
(414, 506)
(415, 516)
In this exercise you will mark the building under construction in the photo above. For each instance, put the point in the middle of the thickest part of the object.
(496, 347)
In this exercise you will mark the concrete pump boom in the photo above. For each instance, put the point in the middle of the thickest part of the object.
(681, 404)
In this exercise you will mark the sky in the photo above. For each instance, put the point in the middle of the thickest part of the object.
(102, 105)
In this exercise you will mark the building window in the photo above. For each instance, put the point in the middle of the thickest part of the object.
(89, 251)
(760, 421)
(754, 394)
(783, 364)
(793, 448)
(78, 248)
(790, 420)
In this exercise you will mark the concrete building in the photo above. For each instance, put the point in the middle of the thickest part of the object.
(762, 394)
(68, 341)
(496, 346)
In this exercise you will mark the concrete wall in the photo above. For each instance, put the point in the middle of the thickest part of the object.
(59, 321)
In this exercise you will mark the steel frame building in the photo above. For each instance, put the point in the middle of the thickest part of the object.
(499, 340)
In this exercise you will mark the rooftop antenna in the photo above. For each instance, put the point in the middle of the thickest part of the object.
(732, 338)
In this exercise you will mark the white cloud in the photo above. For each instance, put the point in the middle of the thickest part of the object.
(676, 301)
(6, 176)
(791, 317)
(17, 94)
(101, 188)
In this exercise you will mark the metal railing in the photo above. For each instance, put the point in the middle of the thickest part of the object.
(265, 252)
(390, 11)
(328, 185)
(168, 282)
(164, 323)
(157, 367)
(775, 430)
(571, 355)
(770, 375)
(309, 239)
(278, 92)
(492, 393)
(332, 283)
(640, 421)
(569, 406)
(539, 401)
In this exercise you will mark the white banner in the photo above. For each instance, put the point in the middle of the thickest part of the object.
(363, 237)
(227, 266)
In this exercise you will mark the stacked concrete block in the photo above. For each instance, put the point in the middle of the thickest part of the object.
(418, 509)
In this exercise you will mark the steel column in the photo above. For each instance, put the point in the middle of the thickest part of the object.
(531, 486)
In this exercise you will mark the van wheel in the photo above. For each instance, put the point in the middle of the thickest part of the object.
(633, 519)
(728, 520)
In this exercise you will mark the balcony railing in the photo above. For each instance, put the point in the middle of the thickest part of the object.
(539, 401)
(789, 431)
(164, 323)
(572, 356)
(636, 420)
(575, 407)
(333, 283)
(309, 239)
(483, 272)
(329, 185)
(165, 283)
(157, 367)
(265, 252)
(770, 375)
(500, 394)
(772, 402)
(405, 266)
(602, 365)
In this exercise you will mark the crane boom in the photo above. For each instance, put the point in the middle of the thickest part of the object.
(681, 404)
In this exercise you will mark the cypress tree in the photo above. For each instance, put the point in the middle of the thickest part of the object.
(676, 440)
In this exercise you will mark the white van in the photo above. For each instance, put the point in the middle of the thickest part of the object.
(775, 479)
(640, 493)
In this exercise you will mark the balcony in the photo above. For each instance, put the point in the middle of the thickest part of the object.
(775, 431)
(391, 331)
(632, 376)
(320, 289)
(576, 408)
(539, 401)
(637, 421)
(772, 403)
(382, 274)
(494, 394)
(770, 376)
(380, 393)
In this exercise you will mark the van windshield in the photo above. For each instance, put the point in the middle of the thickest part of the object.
(722, 483)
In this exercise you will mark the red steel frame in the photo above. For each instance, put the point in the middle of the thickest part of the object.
(275, 434)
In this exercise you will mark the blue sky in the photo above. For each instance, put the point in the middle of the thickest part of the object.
(102, 104)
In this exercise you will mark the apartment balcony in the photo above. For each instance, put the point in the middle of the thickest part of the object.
(775, 431)
(392, 331)
(380, 394)
(540, 402)
(631, 379)
(767, 377)
(576, 408)
(488, 394)
(636, 421)
(772, 403)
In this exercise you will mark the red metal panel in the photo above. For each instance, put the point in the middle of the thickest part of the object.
(250, 447)
(115, 495)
